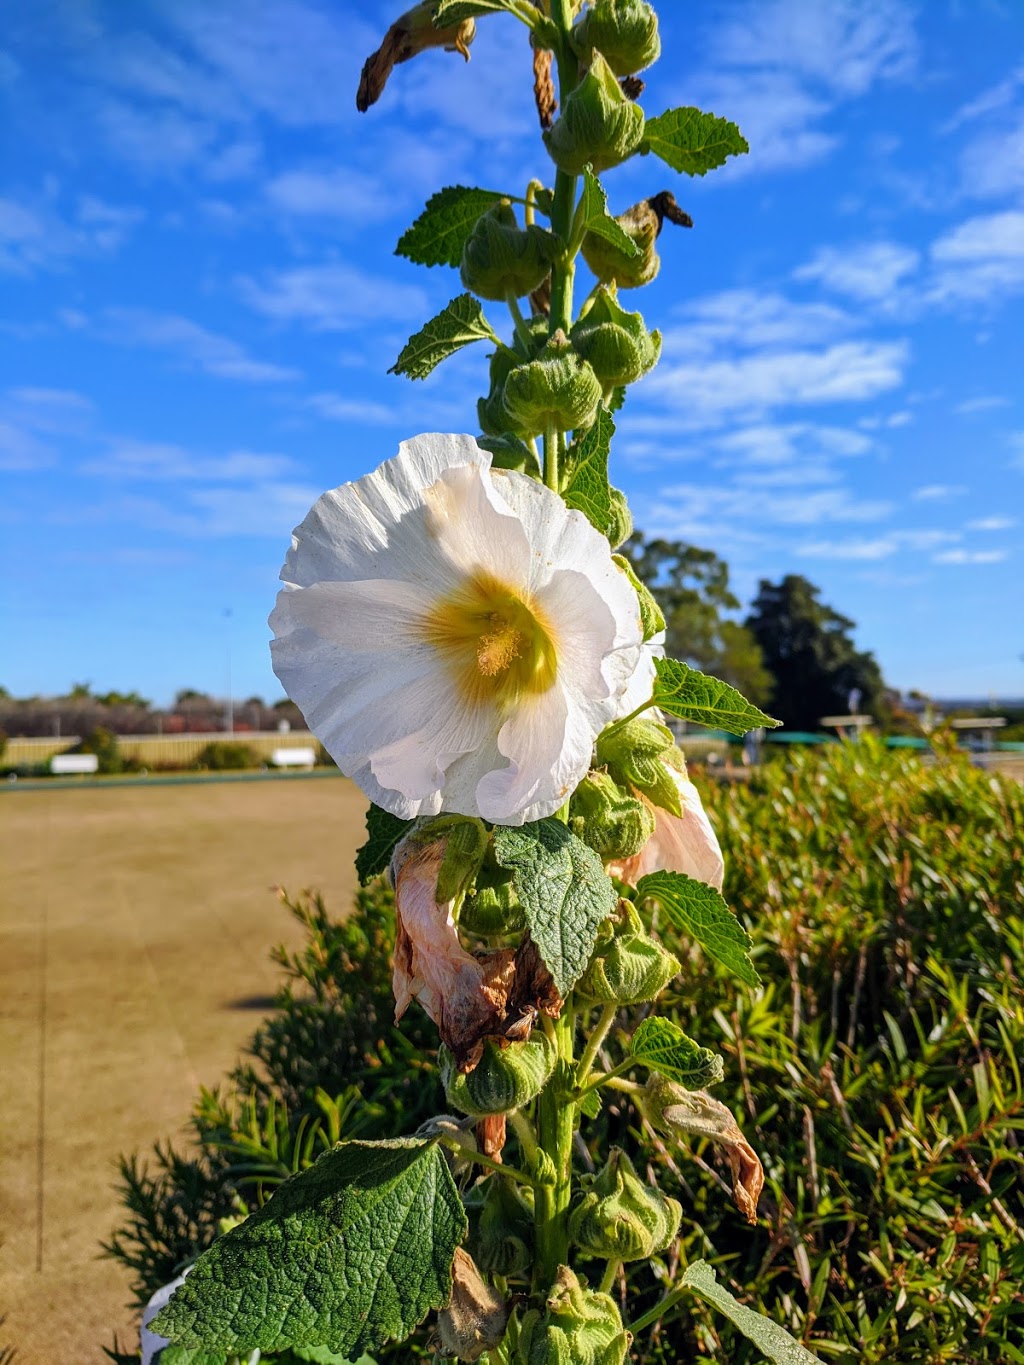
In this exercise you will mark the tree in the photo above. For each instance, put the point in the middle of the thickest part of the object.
(808, 649)
(692, 589)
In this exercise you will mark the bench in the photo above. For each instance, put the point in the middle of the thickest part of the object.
(293, 758)
(63, 764)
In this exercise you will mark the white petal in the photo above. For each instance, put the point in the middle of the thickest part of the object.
(680, 843)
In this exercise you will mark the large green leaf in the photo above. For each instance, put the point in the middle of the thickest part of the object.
(587, 488)
(563, 889)
(691, 695)
(592, 216)
(701, 913)
(441, 231)
(349, 1254)
(691, 141)
(773, 1341)
(664, 1047)
(459, 324)
(384, 831)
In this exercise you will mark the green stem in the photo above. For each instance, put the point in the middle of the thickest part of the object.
(608, 1278)
(522, 331)
(556, 1123)
(610, 1078)
(551, 471)
(653, 1314)
(481, 1160)
(564, 201)
(523, 1129)
(598, 1036)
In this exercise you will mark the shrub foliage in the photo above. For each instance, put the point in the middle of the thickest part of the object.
(877, 1072)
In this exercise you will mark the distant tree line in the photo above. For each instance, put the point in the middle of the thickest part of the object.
(81, 711)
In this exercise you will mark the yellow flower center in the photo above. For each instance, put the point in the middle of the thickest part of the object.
(496, 644)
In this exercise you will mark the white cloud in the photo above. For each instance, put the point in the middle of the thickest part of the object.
(331, 297)
(961, 556)
(701, 510)
(196, 346)
(752, 320)
(130, 459)
(991, 100)
(337, 407)
(991, 524)
(773, 444)
(36, 235)
(1015, 440)
(870, 271)
(348, 195)
(982, 259)
(877, 547)
(781, 66)
(993, 165)
(938, 492)
(984, 403)
(702, 394)
(154, 139)
(21, 451)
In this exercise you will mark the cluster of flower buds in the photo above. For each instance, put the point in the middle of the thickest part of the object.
(622, 1218)
(599, 125)
(578, 1327)
(500, 258)
(625, 32)
(616, 344)
(556, 391)
(628, 966)
(612, 821)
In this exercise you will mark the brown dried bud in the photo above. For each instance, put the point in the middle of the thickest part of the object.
(544, 87)
(410, 34)
(476, 1316)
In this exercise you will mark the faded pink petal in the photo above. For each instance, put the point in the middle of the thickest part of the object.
(680, 843)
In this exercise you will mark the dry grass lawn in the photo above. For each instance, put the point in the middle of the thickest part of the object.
(135, 927)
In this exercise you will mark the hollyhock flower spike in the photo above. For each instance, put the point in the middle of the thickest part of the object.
(456, 636)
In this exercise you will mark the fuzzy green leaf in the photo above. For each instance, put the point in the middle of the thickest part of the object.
(587, 488)
(691, 695)
(701, 913)
(442, 229)
(592, 216)
(459, 324)
(384, 833)
(664, 1047)
(349, 1254)
(180, 1355)
(773, 1341)
(563, 889)
(691, 141)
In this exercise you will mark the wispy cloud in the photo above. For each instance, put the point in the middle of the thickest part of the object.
(145, 460)
(331, 297)
(981, 259)
(869, 270)
(38, 233)
(991, 524)
(962, 556)
(875, 547)
(983, 403)
(194, 346)
(938, 492)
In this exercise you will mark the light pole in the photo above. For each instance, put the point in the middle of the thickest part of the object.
(230, 713)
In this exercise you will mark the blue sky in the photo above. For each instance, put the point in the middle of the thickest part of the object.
(200, 303)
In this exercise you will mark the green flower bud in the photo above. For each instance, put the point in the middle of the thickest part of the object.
(505, 1079)
(556, 390)
(504, 1239)
(651, 616)
(598, 125)
(625, 32)
(616, 343)
(579, 1327)
(614, 824)
(492, 910)
(638, 755)
(628, 966)
(620, 519)
(500, 257)
(622, 1217)
(611, 265)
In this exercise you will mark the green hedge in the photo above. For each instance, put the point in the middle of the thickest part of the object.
(877, 1071)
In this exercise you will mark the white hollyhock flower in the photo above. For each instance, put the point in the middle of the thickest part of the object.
(455, 635)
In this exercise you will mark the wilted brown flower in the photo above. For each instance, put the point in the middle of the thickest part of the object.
(410, 34)
(469, 997)
(476, 1316)
(673, 1109)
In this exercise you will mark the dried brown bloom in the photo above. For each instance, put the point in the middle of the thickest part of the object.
(469, 997)
(632, 87)
(673, 1109)
(665, 206)
(544, 87)
(540, 299)
(476, 1316)
(410, 34)
(490, 1135)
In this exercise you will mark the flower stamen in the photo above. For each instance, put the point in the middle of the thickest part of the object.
(496, 651)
